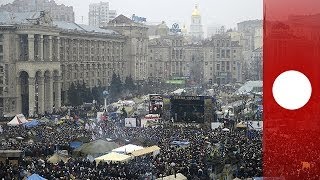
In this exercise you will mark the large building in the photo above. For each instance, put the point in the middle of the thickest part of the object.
(100, 14)
(41, 58)
(136, 47)
(57, 12)
(222, 60)
(196, 30)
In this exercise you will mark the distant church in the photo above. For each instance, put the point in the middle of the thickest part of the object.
(196, 31)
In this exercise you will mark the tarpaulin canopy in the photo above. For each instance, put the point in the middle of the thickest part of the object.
(148, 150)
(97, 147)
(56, 158)
(17, 120)
(180, 143)
(178, 176)
(75, 144)
(113, 157)
(129, 148)
(32, 123)
(35, 177)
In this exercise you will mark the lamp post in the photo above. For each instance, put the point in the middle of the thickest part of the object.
(105, 96)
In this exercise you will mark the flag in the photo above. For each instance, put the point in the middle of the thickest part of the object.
(306, 165)
(87, 126)
(100, 131)
(93, 137)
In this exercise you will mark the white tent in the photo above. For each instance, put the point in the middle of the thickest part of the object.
(178, 176)
(17, 120)
(178, 91)
(129, 148)
(225, 130)
(250, 86)
(113, 157)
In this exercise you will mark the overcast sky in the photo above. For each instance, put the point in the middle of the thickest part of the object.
(222, 12)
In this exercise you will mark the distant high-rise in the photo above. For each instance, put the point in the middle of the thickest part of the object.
(57, 12)
(196, 31)
(100, 14)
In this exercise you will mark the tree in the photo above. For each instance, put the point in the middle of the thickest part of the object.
(115, 86)
(124, 113)
(73, 95)
(129, 84)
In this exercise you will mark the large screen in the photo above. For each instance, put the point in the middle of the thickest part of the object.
(187, 109)
(156, 104)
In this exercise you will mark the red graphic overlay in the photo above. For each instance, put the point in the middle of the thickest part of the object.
(291, 143)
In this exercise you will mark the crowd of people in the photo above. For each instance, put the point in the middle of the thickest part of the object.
(207, 153)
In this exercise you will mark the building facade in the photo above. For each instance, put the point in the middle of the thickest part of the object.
(57, 12)
(256, 69)
(222, 60)
(39, 62)
(136, 47)
(100, 14)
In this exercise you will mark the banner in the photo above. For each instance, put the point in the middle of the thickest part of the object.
(130, 122)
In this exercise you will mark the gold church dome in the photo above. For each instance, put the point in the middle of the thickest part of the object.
(196, 11)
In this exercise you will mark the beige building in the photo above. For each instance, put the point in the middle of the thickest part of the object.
(222, 60)
(57, 12)
(170, 56)
(136, 47)
(39, 61)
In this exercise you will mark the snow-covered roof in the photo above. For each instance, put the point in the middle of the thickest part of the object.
(250, 86)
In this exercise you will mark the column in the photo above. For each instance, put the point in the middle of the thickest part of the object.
(58, 49)
(50, 100)
(18, 96)
(31, 47)
(41, 95)
(57, 101)
(32, 103)
(41, 47)
(17, 46)
(50, 48)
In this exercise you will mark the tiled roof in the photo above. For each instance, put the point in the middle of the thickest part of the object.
(7, 18)
(121, 19)
(17, 18)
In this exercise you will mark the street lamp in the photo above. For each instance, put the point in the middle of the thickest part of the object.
(105, 96)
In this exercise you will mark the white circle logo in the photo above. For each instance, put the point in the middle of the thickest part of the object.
(292, 90)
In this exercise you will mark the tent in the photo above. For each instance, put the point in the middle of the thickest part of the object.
(179, 176)
(97, 147)
(129, 148)
(225, 130)
(17, 120)
(113, 157)
(241, 125)
(35, 177)
(75, 144)
(180, 143)
(31, 124)
(148, 150)
(179, 91)
(56, 158)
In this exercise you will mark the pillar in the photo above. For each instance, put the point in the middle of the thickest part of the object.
(41, 95)
(57, 101)
(58, 49)
(17, 46)
(31, 47)
(32, 103)
(41, 47)
(50, 97)
(50, 48)
(18, 96)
